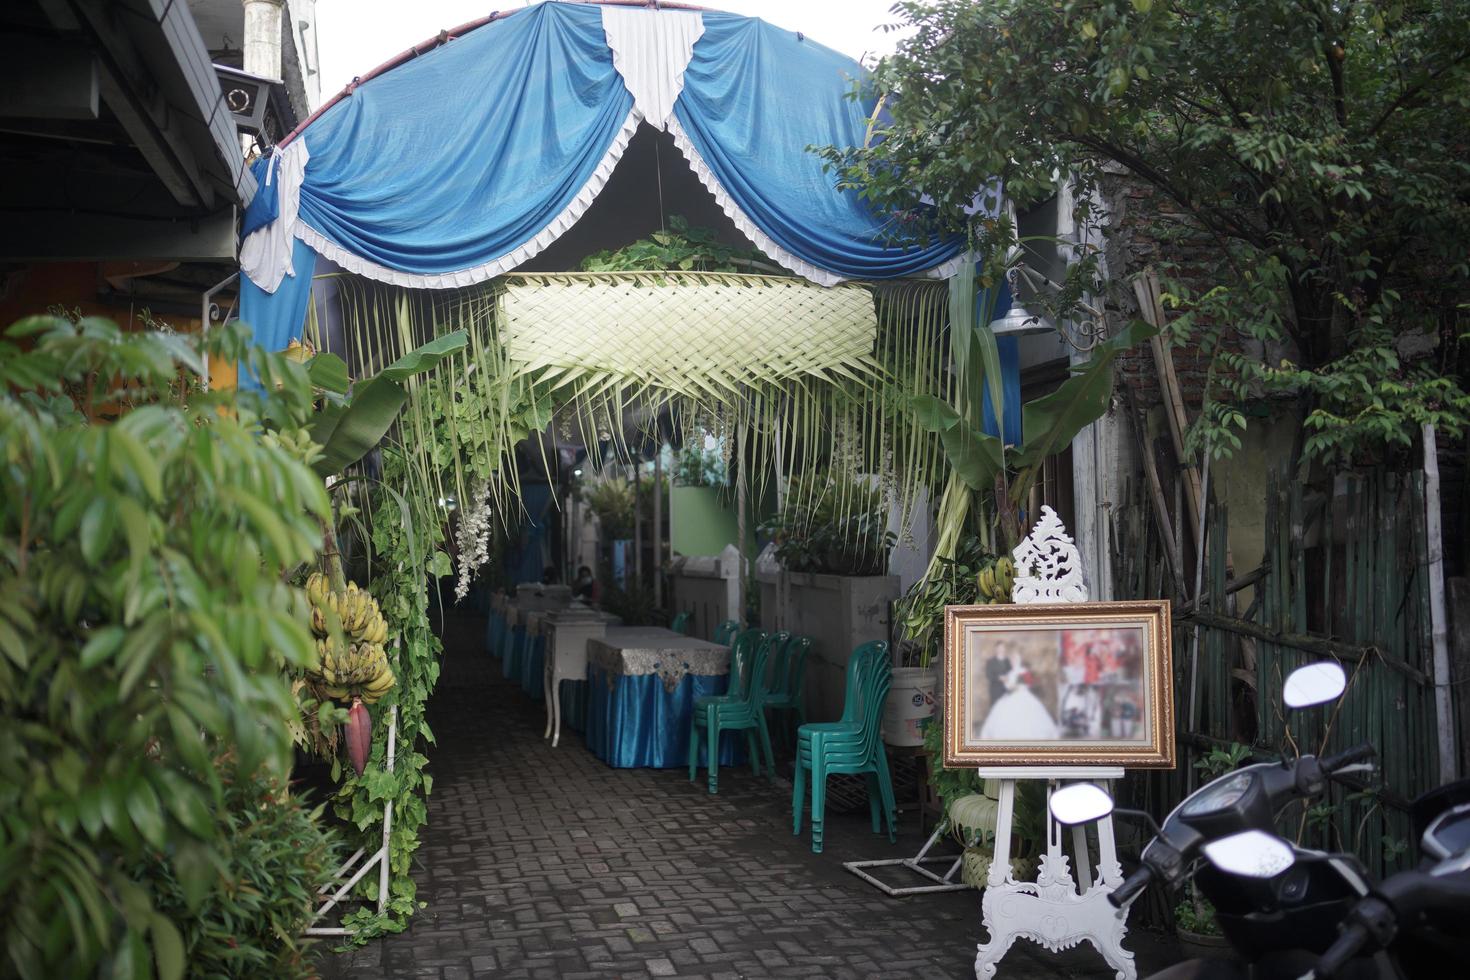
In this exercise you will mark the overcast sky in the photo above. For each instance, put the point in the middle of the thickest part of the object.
(355, 36)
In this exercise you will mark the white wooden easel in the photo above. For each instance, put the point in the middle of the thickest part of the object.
(1052, 911)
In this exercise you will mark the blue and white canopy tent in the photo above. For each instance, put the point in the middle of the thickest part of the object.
(469, 156)
(464, 162)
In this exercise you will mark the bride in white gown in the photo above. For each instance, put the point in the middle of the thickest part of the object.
(1016, 714)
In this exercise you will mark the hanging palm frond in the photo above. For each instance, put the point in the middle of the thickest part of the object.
(795, 377)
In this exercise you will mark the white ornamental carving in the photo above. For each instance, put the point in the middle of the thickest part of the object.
(1052, 914)
(1048, 565)
(1051, 911)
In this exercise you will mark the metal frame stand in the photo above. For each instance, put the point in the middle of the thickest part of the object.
(916, 865)
(357, 871)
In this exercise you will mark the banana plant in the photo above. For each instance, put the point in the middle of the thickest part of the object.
(980, 463)
(355, 417)
(352, 421)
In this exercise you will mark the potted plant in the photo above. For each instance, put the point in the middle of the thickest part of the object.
(970, 813)
(974, 576)
(830, 540)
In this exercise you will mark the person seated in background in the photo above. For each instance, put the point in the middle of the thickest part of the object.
(584, 586)
(548, 575)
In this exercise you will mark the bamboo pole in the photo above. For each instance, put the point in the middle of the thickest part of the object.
(658, 524)
(1150, 304)
(1199, 579)
(1443, 704)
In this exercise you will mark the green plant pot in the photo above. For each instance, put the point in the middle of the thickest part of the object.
(975, 867)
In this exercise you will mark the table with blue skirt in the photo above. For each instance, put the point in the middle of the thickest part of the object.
(641, 685)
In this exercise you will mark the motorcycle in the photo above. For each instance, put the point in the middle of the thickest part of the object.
(1292, 912)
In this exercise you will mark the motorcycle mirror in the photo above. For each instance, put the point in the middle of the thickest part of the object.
(1251, 854)
(1080, 803)
(1448, 834)
(1314, 684)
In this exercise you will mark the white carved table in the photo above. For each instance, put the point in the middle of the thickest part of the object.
(566, 656)
(1052, 911)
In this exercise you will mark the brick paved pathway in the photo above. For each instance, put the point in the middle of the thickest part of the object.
(540, 862)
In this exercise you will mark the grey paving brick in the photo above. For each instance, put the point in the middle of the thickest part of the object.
(540, 862)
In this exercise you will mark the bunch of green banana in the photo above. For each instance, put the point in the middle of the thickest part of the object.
(996, 580)
(359, 670)
(356, 610)
(352, 663)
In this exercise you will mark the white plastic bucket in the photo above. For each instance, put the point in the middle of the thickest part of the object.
(912, 701)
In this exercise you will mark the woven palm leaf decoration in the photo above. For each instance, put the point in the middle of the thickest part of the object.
(808, 378)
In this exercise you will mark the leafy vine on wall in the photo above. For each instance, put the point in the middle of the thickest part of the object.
(438, 444)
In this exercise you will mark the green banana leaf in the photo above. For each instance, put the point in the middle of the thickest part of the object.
(424, 357)
(328, 372)
(350, 430)
(975, 457)
(1049, 422)
(1052, 421)
(973, 349)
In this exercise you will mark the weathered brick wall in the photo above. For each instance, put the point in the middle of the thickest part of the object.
(1146, 228)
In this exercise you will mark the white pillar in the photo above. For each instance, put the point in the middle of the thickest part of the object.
(262, 53)
(263, 37)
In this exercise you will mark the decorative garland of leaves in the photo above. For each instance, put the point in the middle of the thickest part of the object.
(408, 531)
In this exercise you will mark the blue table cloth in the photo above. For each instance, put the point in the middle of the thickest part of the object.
(510, 664)
(533, 665)
(574, 705)
(641, 687)
(495, 633)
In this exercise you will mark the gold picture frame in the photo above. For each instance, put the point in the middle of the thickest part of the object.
(1085, 683)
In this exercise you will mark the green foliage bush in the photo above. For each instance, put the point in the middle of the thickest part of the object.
(680, 247)
(146, 526)
(1304, 171)
(833, 526)
(277, 859)
(699, 467)
(612, 500)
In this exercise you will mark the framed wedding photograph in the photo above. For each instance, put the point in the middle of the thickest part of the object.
(1085, 683)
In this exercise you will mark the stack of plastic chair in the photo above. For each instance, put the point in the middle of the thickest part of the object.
(851, 745)
(725, 632)
(680, 623)
(742, 710)
(788, 681)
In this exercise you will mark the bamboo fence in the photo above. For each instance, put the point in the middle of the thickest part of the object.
(1343, 576)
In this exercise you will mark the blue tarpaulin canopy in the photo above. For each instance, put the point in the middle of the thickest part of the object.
(463, 162)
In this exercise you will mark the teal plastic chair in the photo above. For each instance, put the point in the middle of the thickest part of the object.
(743, 710)
(741, 651)
(680, 623)
(788, 683)
(850, 745)
(725, 632)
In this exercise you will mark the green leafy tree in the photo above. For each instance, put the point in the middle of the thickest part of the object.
(681, 247)
(147, 529)
(831, 524)
(1317, 150)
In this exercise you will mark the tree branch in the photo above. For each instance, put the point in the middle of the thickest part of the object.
(1413, 91)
